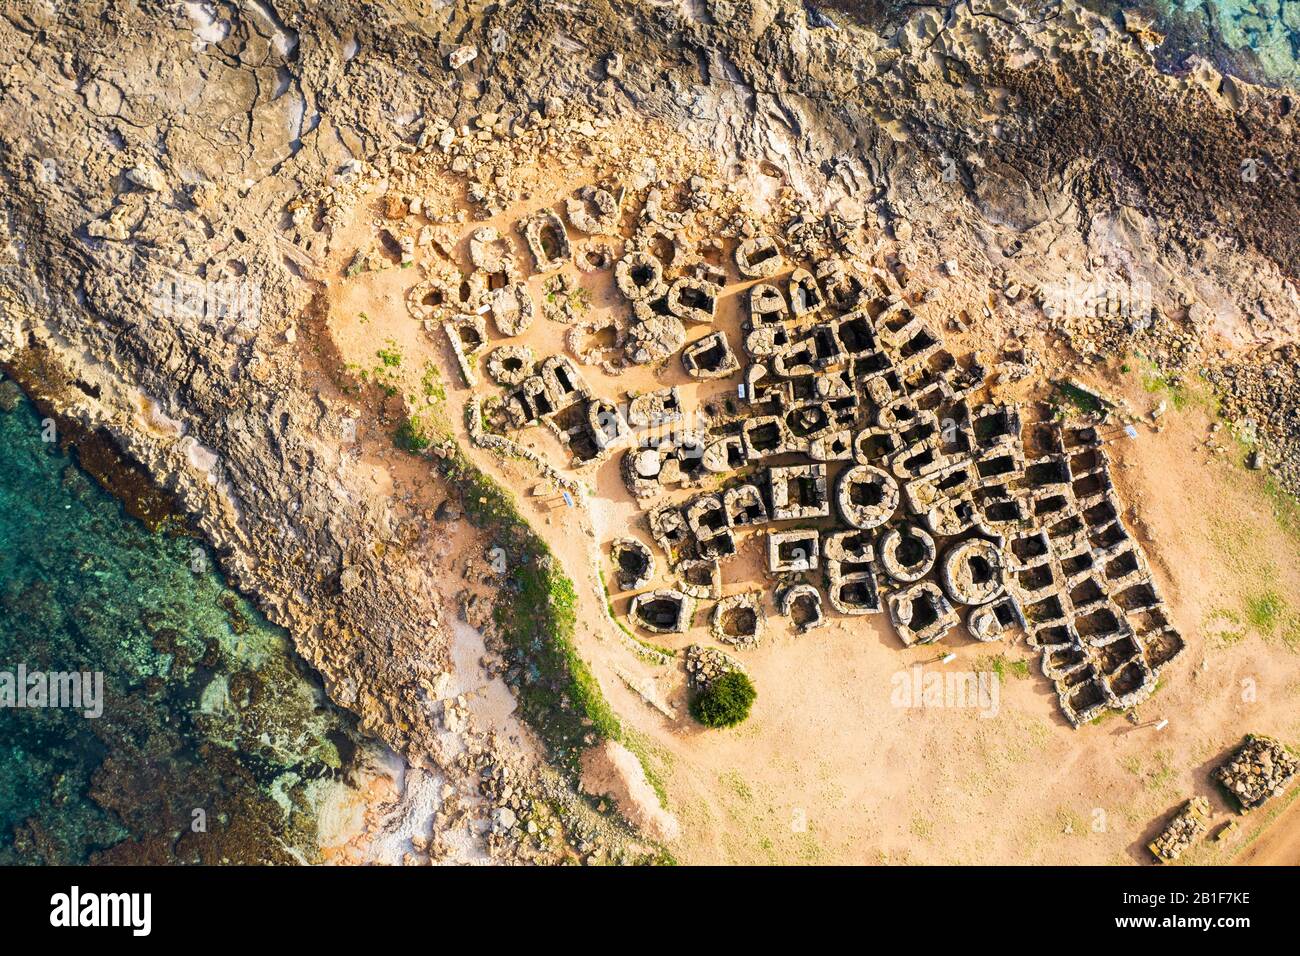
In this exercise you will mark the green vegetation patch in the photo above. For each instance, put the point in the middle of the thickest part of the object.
(536, 613)
(1159, 383)
(1004, 667)
(725, 702)
(412, 435)
(1180, 392)
(1265, 611)
(1224, 627)
(535, 608)
(655, 761)
(1067, 398)
(1271, 615)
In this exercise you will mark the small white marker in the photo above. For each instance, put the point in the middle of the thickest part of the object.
(948, 658)
(740, 390)
(568, 498)
(1130, 431)
(1162, 725)
(482, 309)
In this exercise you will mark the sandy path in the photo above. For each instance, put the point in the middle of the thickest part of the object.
(1279, 845)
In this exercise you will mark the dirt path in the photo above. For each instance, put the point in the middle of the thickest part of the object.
(1278, 845)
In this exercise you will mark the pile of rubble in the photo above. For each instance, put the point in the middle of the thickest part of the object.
(1188, 826)
(704, 665)
(1263, 394)
(1259, 769)
(527, 817)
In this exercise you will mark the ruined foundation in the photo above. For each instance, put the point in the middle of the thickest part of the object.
(860, 448)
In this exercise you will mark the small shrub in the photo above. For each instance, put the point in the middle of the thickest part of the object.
(411, 436)
(725, 702)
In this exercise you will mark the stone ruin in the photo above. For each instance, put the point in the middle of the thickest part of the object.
(854, 442)
(921, 613)
(851, 573)
(1187, 826)
(943, 509)
(509, 365)
(710, 357)
(1261, 768)
(634, 561)
(738, 620)
(704, 665)
(663, 612)
(802, 604)
(1258, 770)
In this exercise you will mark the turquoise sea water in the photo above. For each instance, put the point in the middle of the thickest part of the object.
(214, 745)
(1256, 39)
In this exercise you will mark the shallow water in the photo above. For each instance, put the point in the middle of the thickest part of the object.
(1256, 39)
(215, 744)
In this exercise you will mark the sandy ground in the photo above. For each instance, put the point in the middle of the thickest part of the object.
(828, 769)
(1279, 844)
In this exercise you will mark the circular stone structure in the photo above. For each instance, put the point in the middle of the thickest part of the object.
(655, 339)
(595, 256)
(867, 496)
(634, 561)
(667, 611)
(802, 604)
(510, 364)
(738, 620)
(972, 571)
(989, 622)
(907, 553)
(648, 463)
(640, 277)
